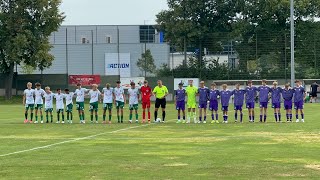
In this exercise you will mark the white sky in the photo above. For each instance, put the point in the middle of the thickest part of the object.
(111, 12)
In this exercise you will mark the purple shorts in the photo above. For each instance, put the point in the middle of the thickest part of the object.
(298, 105)
(225, 108)
(213, 106)
(250, 105)
(181, 105)
(287, 104)
(203, 104)
(264, 105)
(238, 107)
(276, 105)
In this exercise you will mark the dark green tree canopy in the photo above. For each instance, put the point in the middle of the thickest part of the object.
(25, 27)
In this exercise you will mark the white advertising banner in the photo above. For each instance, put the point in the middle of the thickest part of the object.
(117, 64)
(185, 81)
(125, 82)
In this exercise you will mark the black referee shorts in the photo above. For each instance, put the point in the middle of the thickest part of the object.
(161, 103)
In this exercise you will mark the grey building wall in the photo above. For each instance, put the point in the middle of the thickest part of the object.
(74, 57)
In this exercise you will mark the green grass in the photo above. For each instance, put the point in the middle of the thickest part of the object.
(160, 151)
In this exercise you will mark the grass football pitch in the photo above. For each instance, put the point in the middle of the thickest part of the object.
(159, 151)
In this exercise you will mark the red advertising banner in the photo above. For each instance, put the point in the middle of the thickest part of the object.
(84, 80)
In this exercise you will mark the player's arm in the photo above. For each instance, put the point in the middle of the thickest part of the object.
(124, 98)
(24, 99)
(175, 97)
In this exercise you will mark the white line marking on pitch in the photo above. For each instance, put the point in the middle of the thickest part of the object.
(68, 141)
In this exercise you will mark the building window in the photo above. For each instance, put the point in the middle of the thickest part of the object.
(147, 34)
(108, 39)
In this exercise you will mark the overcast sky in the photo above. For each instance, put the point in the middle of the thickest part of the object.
(111, 12)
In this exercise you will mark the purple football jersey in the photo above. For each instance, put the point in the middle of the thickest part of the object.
(203, 94)
(264, 93)
(276, 95)
(298, 94)
(251, 93)
(180, 94)
(238, 96)
(225, 97)
(287, 94)
(213, 95)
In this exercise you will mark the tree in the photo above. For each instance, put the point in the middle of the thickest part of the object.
(25, 27)
(263, 28)
(146, 63)
(197, 23)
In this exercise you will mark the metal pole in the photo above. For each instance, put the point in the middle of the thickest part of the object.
(92, 68)
(285, 56)
(292, 42)
(118, 50)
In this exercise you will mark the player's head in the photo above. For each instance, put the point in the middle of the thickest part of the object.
(287, 86)
(66, 91)
(213, 85)
(133, 85)
(79, 85)
(118, 84)
(249, 83)
(202, 84)
(224, 86)
(58, 90)
(94, 87)
(29, 85)
(108, 86)
(180, 85)
(145, 82)
(298, 83)
(38, 85)
(190, 82)
(159, 83)
(275, 83)
(47, 89)
(237, 86)
(264, 82)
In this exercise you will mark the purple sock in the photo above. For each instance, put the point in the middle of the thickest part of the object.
(236, 116)
(200, 119)
(241, 116)
(265, 118)
(297, 116)
(279, 116)
(205, 118)
(226, 117)
(276, 116)
(252, 118)
(178, 117)
(184, 117)
(260, 117)
(212, 116)
(217, 115)
(302, 116)
(290, 117)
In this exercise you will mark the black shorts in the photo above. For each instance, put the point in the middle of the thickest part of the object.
(314, 94)
(161, 103)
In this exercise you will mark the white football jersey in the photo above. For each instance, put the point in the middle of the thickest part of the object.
(94, 95)
(119, 93)
(80, 93)
(133, 93)
(29, 93)
(69, 98)
(48, 100)
(39, 95)
(107, 95)
(59, 101)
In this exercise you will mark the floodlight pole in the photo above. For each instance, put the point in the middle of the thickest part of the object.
(292, 42)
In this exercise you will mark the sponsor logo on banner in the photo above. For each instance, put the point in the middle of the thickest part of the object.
(185, 82)
(117, 64)
(84, 80)
(125, 82)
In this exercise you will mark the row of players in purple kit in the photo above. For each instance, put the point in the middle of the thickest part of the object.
(249, 95)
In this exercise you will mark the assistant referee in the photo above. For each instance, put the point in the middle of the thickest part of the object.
(160, 92)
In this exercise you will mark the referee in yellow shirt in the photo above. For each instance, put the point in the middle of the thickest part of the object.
(160, 92)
